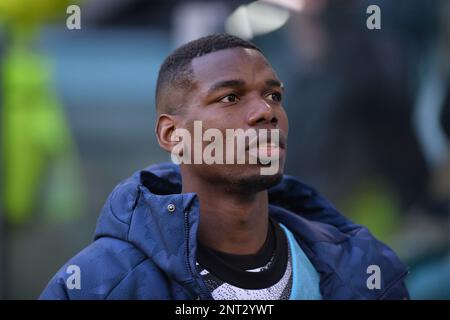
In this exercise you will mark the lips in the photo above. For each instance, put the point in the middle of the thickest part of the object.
(253, 144)
(265, 152)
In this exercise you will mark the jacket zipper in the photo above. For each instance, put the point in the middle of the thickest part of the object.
(393, 284)
(186, 225)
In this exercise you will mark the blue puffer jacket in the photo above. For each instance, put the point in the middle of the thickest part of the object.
(142, 250)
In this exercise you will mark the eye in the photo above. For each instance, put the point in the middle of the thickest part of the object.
(274, 96)
(229, 98)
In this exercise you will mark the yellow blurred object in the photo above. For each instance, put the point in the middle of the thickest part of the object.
(374, 205)
(37, 144)
(34, 131)
(30, 13)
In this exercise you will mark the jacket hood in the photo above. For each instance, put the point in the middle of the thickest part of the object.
(149, 211)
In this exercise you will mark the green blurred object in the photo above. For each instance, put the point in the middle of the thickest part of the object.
(27, 14)
(375, 205)
(36, 139)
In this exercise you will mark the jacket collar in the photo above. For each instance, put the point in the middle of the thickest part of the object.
(149, 211)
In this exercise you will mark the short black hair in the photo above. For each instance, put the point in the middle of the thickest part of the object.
(176, 70)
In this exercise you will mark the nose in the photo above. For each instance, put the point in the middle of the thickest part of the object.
(261, 113)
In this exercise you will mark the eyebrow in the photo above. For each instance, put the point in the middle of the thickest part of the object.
(274, 83)
(226, 84)
(240, 83)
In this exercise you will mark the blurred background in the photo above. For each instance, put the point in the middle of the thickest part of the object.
(369, 115)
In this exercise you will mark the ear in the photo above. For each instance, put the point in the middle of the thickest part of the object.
(165, 127)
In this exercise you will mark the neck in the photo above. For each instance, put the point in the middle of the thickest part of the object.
(230, 222)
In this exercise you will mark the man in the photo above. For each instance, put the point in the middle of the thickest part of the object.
(224, 230)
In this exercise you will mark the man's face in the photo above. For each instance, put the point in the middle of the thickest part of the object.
(236, 89)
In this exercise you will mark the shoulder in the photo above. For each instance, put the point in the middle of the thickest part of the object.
(108, 268)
